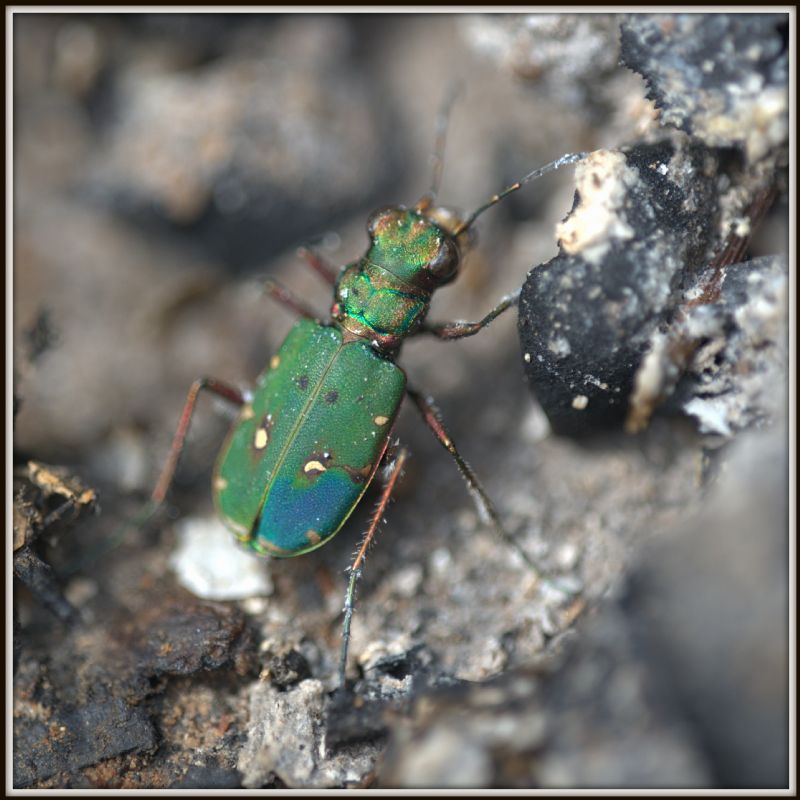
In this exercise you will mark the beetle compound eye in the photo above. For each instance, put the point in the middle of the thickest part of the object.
(445, 263)
(380, 219)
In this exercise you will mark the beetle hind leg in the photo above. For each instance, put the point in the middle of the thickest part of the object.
(224, 390)
(395, 460)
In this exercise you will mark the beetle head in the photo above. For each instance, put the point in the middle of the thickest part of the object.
(416, 245)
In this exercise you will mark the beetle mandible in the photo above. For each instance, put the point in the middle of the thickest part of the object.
(314, 433)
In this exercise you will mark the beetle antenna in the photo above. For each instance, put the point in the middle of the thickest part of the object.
(569, 158)
(440, 140)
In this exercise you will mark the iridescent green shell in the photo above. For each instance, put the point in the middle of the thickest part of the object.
(369, 296)
(404, 242)
(302, 453)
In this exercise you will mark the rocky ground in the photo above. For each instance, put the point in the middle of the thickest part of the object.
(165, 165)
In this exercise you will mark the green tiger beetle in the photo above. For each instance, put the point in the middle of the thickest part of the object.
(318, 427)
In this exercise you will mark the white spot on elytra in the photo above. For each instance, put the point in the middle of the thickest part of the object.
(261, 439)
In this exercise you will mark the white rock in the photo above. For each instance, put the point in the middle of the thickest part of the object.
(208, 562)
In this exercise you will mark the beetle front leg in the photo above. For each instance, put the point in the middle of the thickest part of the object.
(392, 472)
(458, 330)
(486, 510)
(320, 265)
(224, 390)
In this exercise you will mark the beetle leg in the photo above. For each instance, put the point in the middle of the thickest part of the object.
(486, 511)
(288, 298)
(319, 264)
(457, 330)
(224, 390)
(395, 463)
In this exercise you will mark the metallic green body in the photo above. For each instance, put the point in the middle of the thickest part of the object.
(385, 296)
(404, 243)
(302, 453)
(371, 300)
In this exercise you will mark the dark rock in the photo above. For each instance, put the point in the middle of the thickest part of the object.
(69, 736)
(206, 777)
(390, 683)
(642, 220)
(353, 718)
(93, 706)
(182, 637)
(288, 669)
(45, 497)
(723, 78)
(39, 577)
(637, 254)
